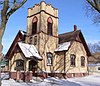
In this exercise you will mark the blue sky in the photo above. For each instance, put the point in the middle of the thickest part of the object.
(70, 13)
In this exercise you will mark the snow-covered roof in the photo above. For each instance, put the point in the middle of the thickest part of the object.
(22, 32)
(63, 46)
(29, 50)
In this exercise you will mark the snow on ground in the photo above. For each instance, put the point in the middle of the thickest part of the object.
(87, 81)
(4, 76)
(82, 81)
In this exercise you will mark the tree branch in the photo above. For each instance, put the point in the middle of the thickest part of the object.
(15, 7)
(94, 4)
(4, 10)
(97, 4)
(3, 18)
(5, 14)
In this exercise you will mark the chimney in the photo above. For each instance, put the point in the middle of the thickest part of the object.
(75, 28)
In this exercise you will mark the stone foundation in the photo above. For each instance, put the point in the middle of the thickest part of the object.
(25, 76)
(13, 75)
(71, 75)
(60, 75)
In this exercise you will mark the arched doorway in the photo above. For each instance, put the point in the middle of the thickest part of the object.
(32, 66)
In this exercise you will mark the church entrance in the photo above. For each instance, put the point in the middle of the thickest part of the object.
(32, 66)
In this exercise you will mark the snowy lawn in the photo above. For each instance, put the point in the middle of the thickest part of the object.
(82, 81)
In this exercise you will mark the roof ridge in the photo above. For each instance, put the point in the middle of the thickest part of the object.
(69, 32)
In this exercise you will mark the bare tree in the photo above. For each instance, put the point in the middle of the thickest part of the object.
(93, 10)
(94, 47)
(95, 4)
(7, 8)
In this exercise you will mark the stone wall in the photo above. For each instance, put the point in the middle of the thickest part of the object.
(45, 43)
(77, 49)
(12, 61)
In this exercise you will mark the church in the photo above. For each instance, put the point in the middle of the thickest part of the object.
(43, 52)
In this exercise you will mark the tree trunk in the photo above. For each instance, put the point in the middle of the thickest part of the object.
(1, 34)
(6, 12)
(2, 29)
(1, 47)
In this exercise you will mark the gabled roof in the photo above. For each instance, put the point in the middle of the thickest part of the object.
(19, 37)
(29, 50)
(69, 36)
(74, 36)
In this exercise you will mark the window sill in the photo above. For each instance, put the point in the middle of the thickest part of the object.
(72, 66)
(49, 64)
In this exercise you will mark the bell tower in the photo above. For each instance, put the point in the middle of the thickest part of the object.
(42, 28)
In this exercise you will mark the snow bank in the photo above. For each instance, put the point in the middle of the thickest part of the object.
(82, 81)
(4, 76)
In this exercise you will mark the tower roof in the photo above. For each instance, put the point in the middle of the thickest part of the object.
(43, 7)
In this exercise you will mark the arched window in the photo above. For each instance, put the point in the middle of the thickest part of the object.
(34, 25)
(72, 59)
(49, 26)
(82, 61)
(49, 58)
(19, 64)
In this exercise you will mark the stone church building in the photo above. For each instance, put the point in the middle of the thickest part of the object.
(45, 52)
